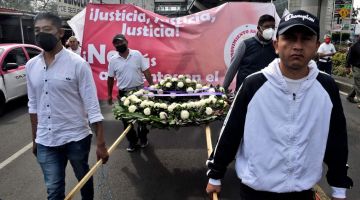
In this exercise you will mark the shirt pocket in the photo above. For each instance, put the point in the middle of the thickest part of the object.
(65, 83)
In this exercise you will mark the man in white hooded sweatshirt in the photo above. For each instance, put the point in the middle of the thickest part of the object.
(285, 121)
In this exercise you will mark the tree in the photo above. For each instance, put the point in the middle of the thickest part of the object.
(44, 5)
(31, 5)
(17, 4)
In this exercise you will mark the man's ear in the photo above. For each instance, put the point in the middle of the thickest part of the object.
(61, 32)
(275, 44)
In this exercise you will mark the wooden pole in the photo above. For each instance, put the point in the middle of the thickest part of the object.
(209, 150)
(96, 166)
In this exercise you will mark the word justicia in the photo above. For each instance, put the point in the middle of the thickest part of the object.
(307, 17)
(118, 15)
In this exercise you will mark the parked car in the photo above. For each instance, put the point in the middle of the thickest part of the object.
(13, 58)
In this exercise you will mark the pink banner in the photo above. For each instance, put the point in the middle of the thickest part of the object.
(200, 45)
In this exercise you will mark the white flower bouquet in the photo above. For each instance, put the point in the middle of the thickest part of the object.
(174, 102)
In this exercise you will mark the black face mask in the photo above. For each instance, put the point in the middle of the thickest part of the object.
(121, 48)
(46, 41)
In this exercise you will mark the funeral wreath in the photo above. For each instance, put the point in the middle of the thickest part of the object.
(173, 102)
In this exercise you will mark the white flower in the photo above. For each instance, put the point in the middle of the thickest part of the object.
(221, 101)
(225, 104)
(160, 91)
(184, 105)
(137, 101)
(205, 87)
(143, 104)
(168, 78)
(224, 96)
(132, 97)
(156, 86)
(151, 103)
(168, 84)
(150, 94)
(184, 114)
(174, 79)
(123, 99)
(163, 115)
(187, 80)
(181, 76)
(173, 95)
(163, 106)
(152, 87)
(157, 105)
(189, 90)
(203, 102)
(194, 81)
(189, 105)
(147, 111)
(171, 108)
(208, 111)
(198, 86)
(211, 90)
(222, 89)
(126, 102)
(180, 84)
(132, 108)
(162, 82)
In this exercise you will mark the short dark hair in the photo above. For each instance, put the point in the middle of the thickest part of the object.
(265, 18)
(55, 20)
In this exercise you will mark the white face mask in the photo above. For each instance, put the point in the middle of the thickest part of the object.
(268, 33)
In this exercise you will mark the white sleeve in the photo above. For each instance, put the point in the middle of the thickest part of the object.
(111, 71)
(32, 103)
(143, 62)
(338, 192)
(320, 50)
(88, 93)
(214, 181)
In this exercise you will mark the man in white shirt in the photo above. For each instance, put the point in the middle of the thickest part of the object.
(62, 102)
(128, 67)
(325, 52)
(74, 45)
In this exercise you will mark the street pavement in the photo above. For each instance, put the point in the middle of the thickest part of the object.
(172, 167)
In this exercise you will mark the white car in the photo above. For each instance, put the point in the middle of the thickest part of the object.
(13, 58)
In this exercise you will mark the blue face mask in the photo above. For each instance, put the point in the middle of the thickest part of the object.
(46, 41)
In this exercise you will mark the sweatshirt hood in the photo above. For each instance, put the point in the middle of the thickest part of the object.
(276, 78)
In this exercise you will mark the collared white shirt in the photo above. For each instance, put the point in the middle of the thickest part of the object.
(63, 95)
(326, 48)
(77, 51)
(128, 71)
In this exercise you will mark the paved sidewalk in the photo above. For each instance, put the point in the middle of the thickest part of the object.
(344, 83)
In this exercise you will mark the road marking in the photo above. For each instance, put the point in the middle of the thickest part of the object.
(15, 155)
(343, 93)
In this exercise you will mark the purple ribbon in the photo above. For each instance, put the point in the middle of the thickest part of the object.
(184, 94)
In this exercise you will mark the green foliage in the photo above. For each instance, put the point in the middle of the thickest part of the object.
(339, 62)
(31, 5)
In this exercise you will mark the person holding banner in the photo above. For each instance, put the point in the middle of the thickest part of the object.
(285, 121)
(252, 54)
(62, 102)
(128, 67)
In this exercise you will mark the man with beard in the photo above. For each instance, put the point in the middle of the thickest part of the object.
(62, 102)
(128, 67)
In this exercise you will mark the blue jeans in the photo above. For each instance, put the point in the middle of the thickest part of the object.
(53, 161)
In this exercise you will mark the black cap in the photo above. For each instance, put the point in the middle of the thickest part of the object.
(119, 37)
(299, 18)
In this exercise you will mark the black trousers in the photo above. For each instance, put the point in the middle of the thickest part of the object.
(247, 193)
(325, 66)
